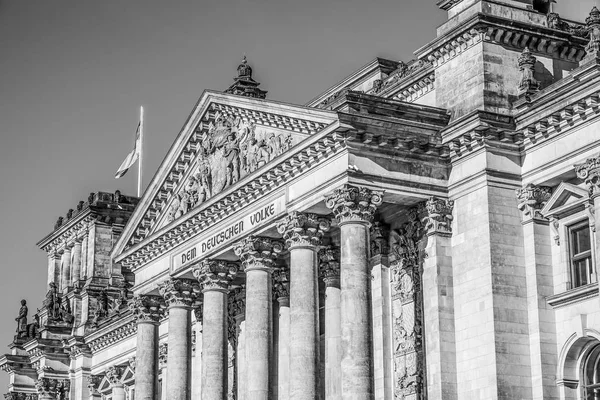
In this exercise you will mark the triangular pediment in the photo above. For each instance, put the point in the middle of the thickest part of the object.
(225, 139)
(567, 198)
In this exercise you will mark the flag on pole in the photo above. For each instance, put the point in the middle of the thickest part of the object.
(133, 156)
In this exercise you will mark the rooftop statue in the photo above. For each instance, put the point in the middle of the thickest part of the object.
(22, 320)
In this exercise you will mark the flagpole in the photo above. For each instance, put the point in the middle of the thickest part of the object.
(139, 188)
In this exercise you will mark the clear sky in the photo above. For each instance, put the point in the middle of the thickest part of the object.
(74, 73)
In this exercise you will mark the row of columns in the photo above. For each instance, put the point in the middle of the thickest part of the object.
(349, 365)
(69, 266)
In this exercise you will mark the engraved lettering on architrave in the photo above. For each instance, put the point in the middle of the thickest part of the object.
(230, 149)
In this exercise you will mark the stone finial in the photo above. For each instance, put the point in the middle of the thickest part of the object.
(147, 308)
(329, 265)
(114, 374)
(163, 352)
(351, 204)
(593, 27)
(300, 229)
(244, 85)
(258, 252)
(438, 216)
(379, 239)
(589, 171)
(215, 274)
(528, 84)
(179, 292)
(281, 285)
(532, 199)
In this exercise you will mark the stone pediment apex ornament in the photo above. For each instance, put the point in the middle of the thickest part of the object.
(329, 265)
(281, 284)
(528, 84)
(354, 204)
(532, 199)
(593, 27)
(114, 374)
(258, 252)
(438, 216)
(147, 308)
(179, 292)
(303, 229)
(589, 171)
(379, 239)
(215, 274)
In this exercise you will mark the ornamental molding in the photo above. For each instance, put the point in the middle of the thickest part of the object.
(589, 172)
(20, 396)
(409, 82)
(354, 203)
(179, 292)
(437, 216)
(258, 184)
(532, 200)
(303, 229)
(215, 274)
(114, 335)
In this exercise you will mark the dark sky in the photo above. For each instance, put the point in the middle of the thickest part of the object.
(74, 73)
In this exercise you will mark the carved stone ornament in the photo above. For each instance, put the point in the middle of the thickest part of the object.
(303, 229)
(131, 363)
(258, 252)
(438, 216)
(532, 199)
(179, 292)
(114, 374)
(329, 265)
(147, 308)
(405, 268)
(230, 149)
(93, 383)
(20, 396)
(56, 388)
(528, 84)
(593, 27)
(351, 203)
(281, 285)
(590, 210)
(589, 171)
(215, 274)
(199, 313)
(237, 301)
(163, 352)
(379, 239)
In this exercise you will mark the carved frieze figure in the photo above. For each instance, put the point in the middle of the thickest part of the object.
(22, 320)
(52, 302)
(33, 329)
(65, 311)
(230, 149)
(528, 84)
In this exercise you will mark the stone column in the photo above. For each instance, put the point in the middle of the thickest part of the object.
(438, 300)
(197, 368)
(180, 297)
(281, 293)
(76, 264)
(52, 389)
(163, 352)
(303, 233)
(539, 280)
(354, 208)
(148, 311)
(54, 268)
(382, 327)
(258, 260)
(215, 278)
(65, 279)
(236, 307)
(84, 255)
(330, 273)
(114, 375)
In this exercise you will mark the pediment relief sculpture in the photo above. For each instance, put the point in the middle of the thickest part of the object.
(230, 149)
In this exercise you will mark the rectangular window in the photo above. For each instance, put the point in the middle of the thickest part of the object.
(580, 243)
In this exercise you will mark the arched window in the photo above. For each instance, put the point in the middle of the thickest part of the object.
(590, 375)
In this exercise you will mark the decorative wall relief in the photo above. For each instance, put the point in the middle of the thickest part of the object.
(230, 149)
(407, 309)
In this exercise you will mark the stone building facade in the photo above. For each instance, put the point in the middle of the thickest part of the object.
(421, 230)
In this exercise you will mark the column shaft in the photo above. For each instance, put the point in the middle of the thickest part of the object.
(258, 335)
(333, 333)
(118, 393)
(283, 362)
(76, 265)
(304, 323)
(357, 352)
(180, 353)
(65, 270)
(146, 370)
(214, 345)
(84, 254)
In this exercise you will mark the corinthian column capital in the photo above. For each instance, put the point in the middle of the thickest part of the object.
(300, 229)
(114, 375)
(438, 216)
(258, 252)
(329, 267)
(354, 204)
(532, 199)
(589, 171)
(215, 274)
(179, 292)
(56, 388)
(147, 308)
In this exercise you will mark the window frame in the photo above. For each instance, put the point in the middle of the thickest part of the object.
(572, 258)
